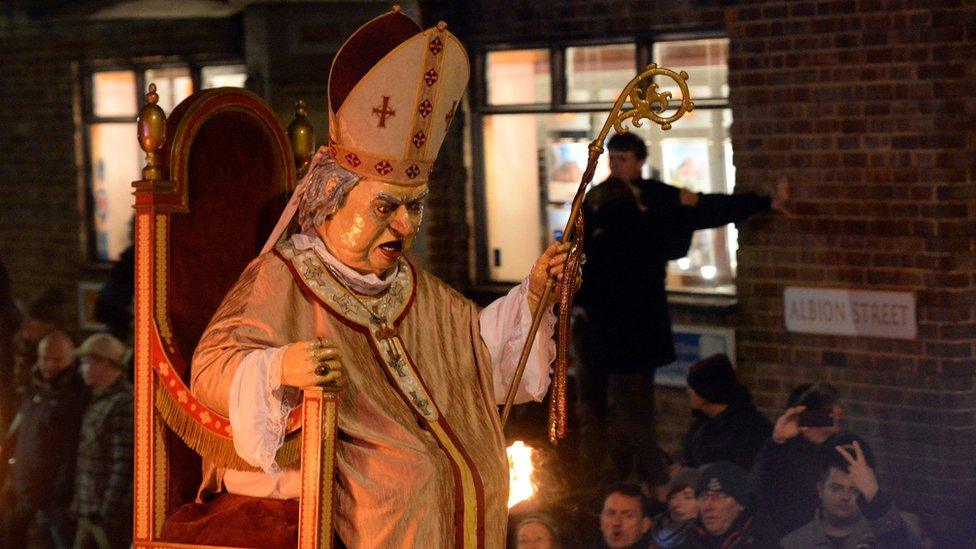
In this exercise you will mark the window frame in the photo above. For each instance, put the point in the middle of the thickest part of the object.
(480, 109)
(85, 118)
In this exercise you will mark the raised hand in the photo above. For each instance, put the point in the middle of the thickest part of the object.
(310, 363)
(861, 474)
(550, 264)
(788, 424)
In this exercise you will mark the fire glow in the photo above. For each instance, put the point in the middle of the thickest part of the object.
(521, 487)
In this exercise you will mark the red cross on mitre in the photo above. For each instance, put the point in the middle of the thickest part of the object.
(413, 171)
(383, 111)
(430, 77)
(436, 46)
(353, 160)
(425, 108)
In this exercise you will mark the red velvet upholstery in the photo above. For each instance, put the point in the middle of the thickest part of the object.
(226, 151)
(235, 179)
(237, 521)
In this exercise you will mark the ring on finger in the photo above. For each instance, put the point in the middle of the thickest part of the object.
(323, 370)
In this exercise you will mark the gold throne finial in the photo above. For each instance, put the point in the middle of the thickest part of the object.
(151, 125)
(302, 137)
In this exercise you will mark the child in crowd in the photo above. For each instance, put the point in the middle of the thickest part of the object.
(672, 527)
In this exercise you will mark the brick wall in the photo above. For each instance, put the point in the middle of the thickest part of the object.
(867, 108)
(40, 240)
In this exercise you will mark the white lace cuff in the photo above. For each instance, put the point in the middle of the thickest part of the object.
(505, 325)
(259, 408)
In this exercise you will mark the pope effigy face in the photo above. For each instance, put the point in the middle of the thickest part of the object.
(375, 226)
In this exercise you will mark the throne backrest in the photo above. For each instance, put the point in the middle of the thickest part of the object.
(235, 167)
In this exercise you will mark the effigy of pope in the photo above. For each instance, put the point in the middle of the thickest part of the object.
(421, 459)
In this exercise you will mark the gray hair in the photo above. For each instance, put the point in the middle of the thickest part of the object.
(328, 185)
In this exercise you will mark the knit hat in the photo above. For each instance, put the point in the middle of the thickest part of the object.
(49, 307)
(686, 478)
(713, 378)
(104, 346)
(726, 477)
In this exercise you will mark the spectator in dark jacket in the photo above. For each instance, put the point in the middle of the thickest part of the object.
(634, 226)
(727, 426)
(787, 468)
(45, 315)
(103, 486)
(725, 507)
(42, 442)
(854, 512)
(114, 304)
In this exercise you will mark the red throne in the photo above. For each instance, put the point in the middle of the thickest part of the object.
(218, 174)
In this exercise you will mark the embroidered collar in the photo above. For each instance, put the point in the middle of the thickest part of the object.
(368, 284)
(310, 265)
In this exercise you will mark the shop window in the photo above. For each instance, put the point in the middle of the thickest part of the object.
(530, 159)
(518, 77)
(596, 73)
(114, 158)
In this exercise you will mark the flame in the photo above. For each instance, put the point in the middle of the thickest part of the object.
(521, 486)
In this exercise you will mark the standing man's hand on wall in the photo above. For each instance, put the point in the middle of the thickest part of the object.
(781, 197)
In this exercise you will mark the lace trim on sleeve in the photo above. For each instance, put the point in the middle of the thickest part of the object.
(279, 406)
(514, 344)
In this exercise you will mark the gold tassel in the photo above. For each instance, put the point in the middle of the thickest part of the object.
(211, 446)
(557, 424)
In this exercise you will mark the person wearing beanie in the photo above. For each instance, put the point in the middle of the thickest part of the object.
(45, 315)
(103, 480)
(727, 425)
(672, 527)
(725, 507)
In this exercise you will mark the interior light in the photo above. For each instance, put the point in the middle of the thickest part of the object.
(684, 263)
(708, 272)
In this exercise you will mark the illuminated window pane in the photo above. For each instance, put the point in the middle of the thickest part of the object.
(518, 77)
(520, 192)
(115, 161)
(597, 73)
(533, 162)
(114, 93)
(218, 76)
(705, 61)
(173, 84)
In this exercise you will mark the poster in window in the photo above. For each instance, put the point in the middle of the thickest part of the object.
(567, 161)
(87, 296)
(686, 163)
(691, 344)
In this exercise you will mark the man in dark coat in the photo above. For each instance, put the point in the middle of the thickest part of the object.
(42, 443)
(634, 226)
(787, 467)
(727, 425)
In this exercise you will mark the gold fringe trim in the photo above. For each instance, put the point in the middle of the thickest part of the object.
(211, 446)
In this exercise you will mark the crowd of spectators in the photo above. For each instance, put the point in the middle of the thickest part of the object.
(66, 418)
(802, 482)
